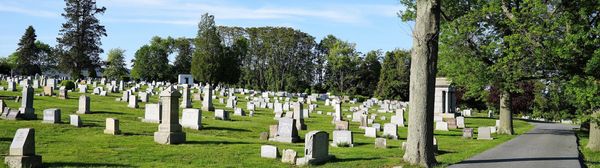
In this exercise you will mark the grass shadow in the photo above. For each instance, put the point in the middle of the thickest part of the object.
(6, 139)
(137, 134)
(224, 129)
(106, 112)
(215, 142)
(442, 152)
(79, 164)
(334, 160)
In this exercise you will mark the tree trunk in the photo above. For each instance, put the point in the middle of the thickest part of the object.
(419, 149)
(594, 141)
(506, 123)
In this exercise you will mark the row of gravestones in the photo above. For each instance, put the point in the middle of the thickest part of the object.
(316, 150)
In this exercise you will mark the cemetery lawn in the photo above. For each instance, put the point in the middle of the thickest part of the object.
(219, 144)
(591, 159)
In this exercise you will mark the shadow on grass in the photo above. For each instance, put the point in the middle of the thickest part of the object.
(106, 112)
(334, 160)
(137, 134)
(5, 139)
(224, 129)
(79, 164)
(442, 152)
(215, 142)
(518, 160)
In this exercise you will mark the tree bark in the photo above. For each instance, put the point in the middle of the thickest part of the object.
(594, 141)
(506, 123)
(420, 149)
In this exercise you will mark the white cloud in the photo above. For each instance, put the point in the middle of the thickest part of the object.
(186, 13)
(30, 12)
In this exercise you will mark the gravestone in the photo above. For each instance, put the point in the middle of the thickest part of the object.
(112, 126)
(298, 116)
(398, 120)
(125, 96)
(82, 88)
(390, 130)
(12, 86)
(377, 126)
(185, 97)
(51, 116)
(22, 150)
(12, 114)
(460, 122)
(342, 125)
(380, 143)
(484, 133)
(286, 131)
(48, 91)
(191, 118)
(132, 102)
(84, 105)
(238, 112)
(342, 138)
(338, 111)
(26, 109)
(441, 126)
(221, 114)
(268, 151)
(468, 133)
(273, 131)
(152, 113)
(371, 132)
(451, 123)
(75, 120)
(143, 97)
(169, 130)
(264, 136)
(316, 148)
(207, 104)
(62, 93)
(289, 156)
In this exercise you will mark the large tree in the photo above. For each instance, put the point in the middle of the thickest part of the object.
(208, 55)
(27, 54)
(419, 149)
(369, 71)
(151, 61)
(183, 60)
(80, 37)
(115, 65)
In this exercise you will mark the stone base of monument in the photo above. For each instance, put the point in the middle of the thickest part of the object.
(27, 114)
(285, 139)
(169, 137)
(23, 161)
(313, 161)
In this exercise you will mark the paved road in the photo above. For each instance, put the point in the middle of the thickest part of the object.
(547, 145)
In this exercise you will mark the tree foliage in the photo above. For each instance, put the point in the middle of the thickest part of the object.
(115, 65)
(394, 78)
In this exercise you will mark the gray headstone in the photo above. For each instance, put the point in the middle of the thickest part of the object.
(84, 105)
(390, 130)
(286, 131)
(289, 156)
(52, 116)
(316, 148)
(75, 120)
(268, 151)
(191, 118)
(152, 113)
(221, 114)
(342, 137)
(484, 133)
(22, 150)
(380, 143)
(169, 130)
(112, 126)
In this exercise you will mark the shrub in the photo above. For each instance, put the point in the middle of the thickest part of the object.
(69, 85)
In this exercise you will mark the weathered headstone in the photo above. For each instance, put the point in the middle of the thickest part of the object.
(207, 104)
(221, 114)
(51, 116)
(398, 120)
(316, 148)
(264, 136)
(467, 133)
(484, 133)
(169, 130)
(298, 116)
(191, 118)
(26, 109)
(22, 150)
(143, 97)
(342, 125)
(342, 138)
(380, 143)
(48, 91)
(238, 112)
(441, 126)
(460, 122)
(185, 97)
(289, 156)
(12, 86)
(75, 120)
(286, 131)
(112, 126)
(84, 105)
(390, 130)
(451, 123)
(132, 102)
(152, 113)
(63, 93)
(268, 151)
(371, 132)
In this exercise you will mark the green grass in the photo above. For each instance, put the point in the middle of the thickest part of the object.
(219, 144)
(591, 158)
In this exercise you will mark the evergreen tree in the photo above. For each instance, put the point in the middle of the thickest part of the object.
(80, 37)
(394, 78)
(208, 56)
(27, 54)
(369, 72)
(183, 60)
(115, 65)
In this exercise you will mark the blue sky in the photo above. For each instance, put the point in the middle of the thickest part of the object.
(371, 24)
